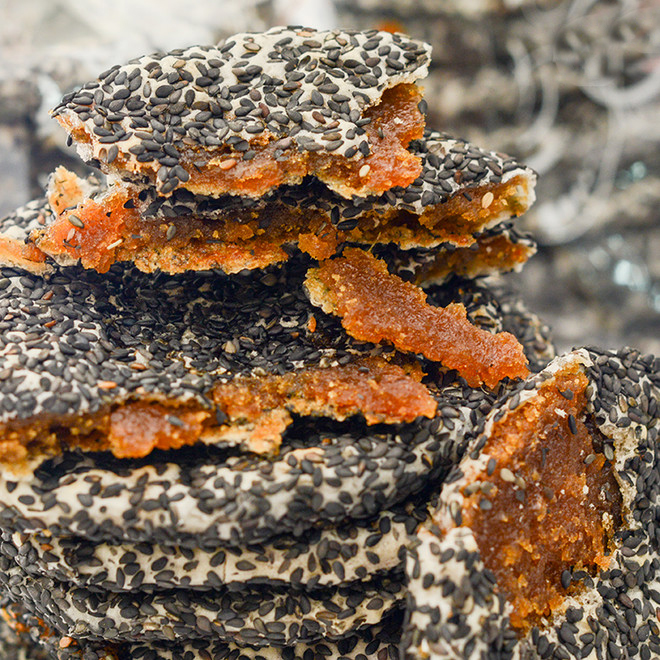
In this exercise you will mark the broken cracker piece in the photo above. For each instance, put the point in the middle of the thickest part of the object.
(376, 306)
(82, 380)
(251, 412)
(499, 250)
(450, 205)
(546, 523)
(259, 111)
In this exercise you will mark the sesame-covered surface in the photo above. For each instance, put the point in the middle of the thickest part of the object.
(77, 342)
(454, 607)
(16, 637)
(20, 223)
(321, 474)
(497, 250)
(321, 557)
(462, 192)
(531, 331)
(263, 617)
(15, 229)
(354, 472)
(298, 89)
(450, 165)
(33, 640)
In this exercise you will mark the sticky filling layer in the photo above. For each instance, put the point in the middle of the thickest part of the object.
(107, 229)
(551, 504)
(376, 306)
(252, 412)
(269, 162)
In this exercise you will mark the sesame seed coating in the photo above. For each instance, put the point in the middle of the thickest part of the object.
(429, 266)
(240, 499)
(455, 610)
(355, 472)
(71, 343)
(20, 223)
(450, 166)
(462, 193)
(299, 86)
(273, 616)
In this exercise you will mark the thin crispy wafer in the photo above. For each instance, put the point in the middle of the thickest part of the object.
(318, 463)
(28, 638)
(321, 557)
(273, 616)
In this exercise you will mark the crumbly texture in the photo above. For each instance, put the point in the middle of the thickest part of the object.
(257, 112)
(322, 475)
(15, 228)
(461, 192)
(380, 392)
(499, 250)
(251, 412)
(72, 352)
(376, 306)
(376, 466)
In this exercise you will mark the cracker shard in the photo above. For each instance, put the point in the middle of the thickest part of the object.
(376, 306)
(257, 112)
(451, 205)
(252, 411)
(544, 535)
(381, 392)
(553, 502)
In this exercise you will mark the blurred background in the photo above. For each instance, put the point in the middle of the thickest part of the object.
(571, 87)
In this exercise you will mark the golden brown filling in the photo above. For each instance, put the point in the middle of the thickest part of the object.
(382, 392)
(395, 121)
(251, 411)
(22, 255)
(376, 306)
(490, 253)
(551, 504)
(110, 229)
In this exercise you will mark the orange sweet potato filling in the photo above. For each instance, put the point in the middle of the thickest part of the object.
(376, 306)
(489, 253)
(256, 410)
(112, 230)
(22, 255)
(382, 392)
(395, 121)
(111, 233)
(136, 429)
(552, 504)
